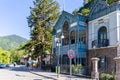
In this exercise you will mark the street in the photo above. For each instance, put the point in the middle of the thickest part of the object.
(19, 73)
(22, 73)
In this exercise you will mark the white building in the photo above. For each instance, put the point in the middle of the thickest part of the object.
(104, 34)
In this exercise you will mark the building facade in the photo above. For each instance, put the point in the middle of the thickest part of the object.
(73, 28)
(100, 37)
(104, 35)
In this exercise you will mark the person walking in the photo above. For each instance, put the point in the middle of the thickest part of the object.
(14, 64)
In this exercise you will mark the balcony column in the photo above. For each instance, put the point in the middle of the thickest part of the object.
(95, 73)
(117, 75)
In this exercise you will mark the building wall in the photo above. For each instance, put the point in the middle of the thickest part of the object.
(109, 64)
(108, 16)
(111, 22)
(76, 23)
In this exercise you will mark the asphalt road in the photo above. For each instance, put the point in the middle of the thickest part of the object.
(19, 73)
(22, 73)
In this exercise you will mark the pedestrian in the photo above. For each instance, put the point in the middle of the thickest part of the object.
(27, 64)
(14, 64)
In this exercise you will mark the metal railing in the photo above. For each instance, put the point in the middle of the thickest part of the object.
(100, 43)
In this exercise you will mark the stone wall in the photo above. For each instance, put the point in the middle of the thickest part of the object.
(108, 65)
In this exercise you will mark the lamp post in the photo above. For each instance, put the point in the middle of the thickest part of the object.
(59, 42)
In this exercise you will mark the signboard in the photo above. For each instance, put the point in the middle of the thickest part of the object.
(71, 53)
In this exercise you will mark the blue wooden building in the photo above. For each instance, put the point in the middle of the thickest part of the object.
(73, 28)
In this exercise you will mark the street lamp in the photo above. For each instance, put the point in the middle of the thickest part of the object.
(58, 42)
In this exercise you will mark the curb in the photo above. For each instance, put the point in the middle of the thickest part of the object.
(43, 75)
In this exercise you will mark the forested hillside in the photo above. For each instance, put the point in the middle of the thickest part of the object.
(11, 41)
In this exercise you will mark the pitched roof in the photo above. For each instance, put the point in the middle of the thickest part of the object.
(101, 8)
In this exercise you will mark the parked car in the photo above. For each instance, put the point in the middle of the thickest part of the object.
(9, 65)
(2, 66)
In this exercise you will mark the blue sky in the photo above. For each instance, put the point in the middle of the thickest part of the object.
(13, 15)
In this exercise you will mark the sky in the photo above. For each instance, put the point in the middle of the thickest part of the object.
(13, 14)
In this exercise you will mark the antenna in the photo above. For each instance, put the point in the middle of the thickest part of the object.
(63, 1)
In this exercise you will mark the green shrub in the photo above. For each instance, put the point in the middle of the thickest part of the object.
(76, 69)
(111, 1)
(85, 11)
(107, 76)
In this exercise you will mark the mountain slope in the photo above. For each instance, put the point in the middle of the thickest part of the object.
(11, 41)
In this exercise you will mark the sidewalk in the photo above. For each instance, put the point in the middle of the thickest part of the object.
(53, 76)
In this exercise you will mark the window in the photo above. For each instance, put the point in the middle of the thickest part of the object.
(65, 59)
(66, 33)
(83, 37)
(102, 63)
(102, 37)
(72, 37)
(102, 33)
(79, 35)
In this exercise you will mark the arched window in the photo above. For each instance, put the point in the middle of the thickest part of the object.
(102, 33)
(102, 37)
(83, 37)
(79, 36)
(66, 33)
(72, 37)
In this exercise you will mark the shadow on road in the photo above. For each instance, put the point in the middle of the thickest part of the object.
(43, 76)
(19, 68)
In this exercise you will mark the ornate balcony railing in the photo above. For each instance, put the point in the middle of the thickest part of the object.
(100, 43)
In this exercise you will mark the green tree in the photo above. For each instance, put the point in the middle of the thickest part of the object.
(75, 11)
(111, 1)
(4, 56)
(42, 14)
(85, 11)
(16, 54)
(86, 8)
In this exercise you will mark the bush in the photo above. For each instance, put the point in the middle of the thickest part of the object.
(111, 1)
(76, 69)
(85, 11)
(105, 76)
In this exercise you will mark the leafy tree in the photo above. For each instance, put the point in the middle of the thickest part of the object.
(86, 8)
(16, 55)
(75, 11)
(4, 56)
(43, 13)
(85, 11)
(111, 1)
